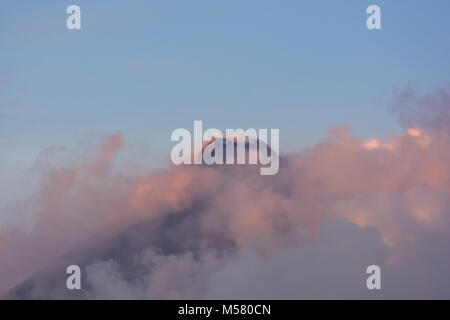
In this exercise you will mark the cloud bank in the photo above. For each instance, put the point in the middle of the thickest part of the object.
(226, 232)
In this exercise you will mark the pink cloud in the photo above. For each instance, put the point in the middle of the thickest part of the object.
(399, 188)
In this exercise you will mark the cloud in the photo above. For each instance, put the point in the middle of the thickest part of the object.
(200, 231)
(429, 111)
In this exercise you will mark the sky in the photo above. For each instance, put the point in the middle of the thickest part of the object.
(141, 69)
(144, 68)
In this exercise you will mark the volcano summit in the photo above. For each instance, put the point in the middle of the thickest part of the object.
(236, 146)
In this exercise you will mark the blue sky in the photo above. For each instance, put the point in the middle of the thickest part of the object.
(145, 68)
